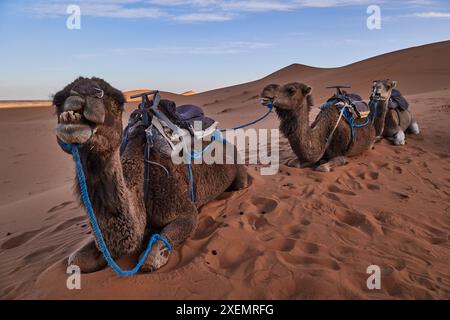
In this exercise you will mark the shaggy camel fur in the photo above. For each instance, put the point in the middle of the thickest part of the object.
(293, 103)
(90, 113)
(399, 121)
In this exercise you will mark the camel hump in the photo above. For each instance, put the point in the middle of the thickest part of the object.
(398, 101)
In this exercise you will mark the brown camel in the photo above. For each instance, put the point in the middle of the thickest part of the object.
(293, 104)
(90, 113)
(398, 121)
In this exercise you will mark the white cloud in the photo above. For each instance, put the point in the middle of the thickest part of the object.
(189, 11)
(433, 14)
(203, 17)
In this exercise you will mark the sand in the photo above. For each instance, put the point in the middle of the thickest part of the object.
(297, 235)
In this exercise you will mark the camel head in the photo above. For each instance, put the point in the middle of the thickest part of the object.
(382, 89)
(290, 96)
(269, 93)
(89, 112)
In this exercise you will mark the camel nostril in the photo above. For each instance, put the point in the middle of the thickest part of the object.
(74, 103)
(94, 110)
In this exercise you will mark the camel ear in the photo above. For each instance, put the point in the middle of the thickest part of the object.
(393, 84)
(307, 90)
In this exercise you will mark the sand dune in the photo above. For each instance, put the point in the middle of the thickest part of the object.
(298, 235)
(24, 104)
(189, 93)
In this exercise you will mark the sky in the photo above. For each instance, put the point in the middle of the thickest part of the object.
(181, 45)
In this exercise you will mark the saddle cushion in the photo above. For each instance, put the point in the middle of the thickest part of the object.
(185, 116)
(398, 101)
(361, 108)
(189, 114)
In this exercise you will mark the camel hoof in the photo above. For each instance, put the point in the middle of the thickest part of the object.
(294, 163)
(414, 128)
(87, 262)
(324, 168)
(157, 258)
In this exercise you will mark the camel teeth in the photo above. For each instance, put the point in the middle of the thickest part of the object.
(70, 116)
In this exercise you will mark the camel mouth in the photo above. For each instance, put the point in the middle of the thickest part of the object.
(265, 101)
(74, 128)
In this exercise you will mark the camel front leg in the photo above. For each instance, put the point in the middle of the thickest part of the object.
(176, 233)
(88, 258)
(335, 162)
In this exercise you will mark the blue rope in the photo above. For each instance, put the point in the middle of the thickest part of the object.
(191, 182)
(269, 106)
(95, 227)
(351, 121)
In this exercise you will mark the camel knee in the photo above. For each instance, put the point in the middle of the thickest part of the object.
(176, 233)
(241, 180)
(180, 230)
(88, 258)
(414, 128)
(335, 162)
(399, 138)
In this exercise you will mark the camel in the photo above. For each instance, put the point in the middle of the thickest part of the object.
(293, 102)
(89, 112)
(399, 121)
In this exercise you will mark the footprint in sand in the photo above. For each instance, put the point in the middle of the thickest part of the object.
(206, 227)
(235, 256)
(373, 187)
(59, 206)
(38, 254)
(311, 262)
(309, 247)
(285, 245)
(19, 240)
(357, 220)
(336, 189)
(369, 175)
(265, 205)
(69, 223)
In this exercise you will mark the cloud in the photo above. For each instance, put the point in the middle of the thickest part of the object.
(99, 8)
(194, 11)
(203, 17)
(433, 14)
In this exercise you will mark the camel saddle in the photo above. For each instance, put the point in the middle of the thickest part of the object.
(355, 104)
(397, 101)
(171, 121)
(186, 116)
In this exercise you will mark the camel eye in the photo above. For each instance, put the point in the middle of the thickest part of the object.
(291, 90)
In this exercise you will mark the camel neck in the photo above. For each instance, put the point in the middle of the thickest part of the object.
(307, 144)
(379, 108)
(117, 207)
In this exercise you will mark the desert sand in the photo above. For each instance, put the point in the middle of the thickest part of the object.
(299, 234)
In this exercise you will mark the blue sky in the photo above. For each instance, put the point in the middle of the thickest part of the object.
(180, 45)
